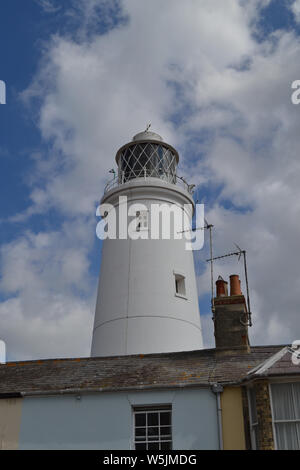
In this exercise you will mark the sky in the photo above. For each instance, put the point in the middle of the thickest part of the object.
(82, 77)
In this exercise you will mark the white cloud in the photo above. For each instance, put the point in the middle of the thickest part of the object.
(295, 7)
(197, 60)
(100, 92)
(49, 6)
(62, 329)
(49, 293)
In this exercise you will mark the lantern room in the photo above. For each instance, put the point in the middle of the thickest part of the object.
(147, 156)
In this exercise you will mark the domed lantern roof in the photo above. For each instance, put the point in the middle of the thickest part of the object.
(147, 135)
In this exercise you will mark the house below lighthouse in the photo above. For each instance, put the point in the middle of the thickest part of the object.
(147, 295)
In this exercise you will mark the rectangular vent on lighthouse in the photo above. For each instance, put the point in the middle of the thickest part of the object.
(180, 289)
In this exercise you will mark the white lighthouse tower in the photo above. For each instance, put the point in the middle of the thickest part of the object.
(147, 296)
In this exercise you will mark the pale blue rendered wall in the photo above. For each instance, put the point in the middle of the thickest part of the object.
(104, 420)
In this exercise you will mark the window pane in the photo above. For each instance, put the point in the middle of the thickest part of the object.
(148, 159)
(296, 389)
(165, 418)
(140, 419)
(153, 432)
(286, 434)
(153, 446)
(152, 419)
(165, 431)
(166, 445)
(180, 284)
(140, 446)
(140, 432)
(282, 396)
(252, 399)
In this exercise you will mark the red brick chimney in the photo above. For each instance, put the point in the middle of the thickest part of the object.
(230, 317)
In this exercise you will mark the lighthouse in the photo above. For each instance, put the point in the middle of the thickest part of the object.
(147, 298)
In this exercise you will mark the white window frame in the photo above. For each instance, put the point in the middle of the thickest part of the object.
(147, 410)
(285, 421)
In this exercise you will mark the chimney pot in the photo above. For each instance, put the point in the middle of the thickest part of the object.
(222, 290)
(235, 285)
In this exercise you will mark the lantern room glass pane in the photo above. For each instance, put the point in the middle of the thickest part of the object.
(147, 160)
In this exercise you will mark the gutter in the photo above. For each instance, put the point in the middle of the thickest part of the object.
(4, 396)
(81, 391)
(133, 388)
(218, 389)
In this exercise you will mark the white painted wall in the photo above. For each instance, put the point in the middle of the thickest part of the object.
(137, 309)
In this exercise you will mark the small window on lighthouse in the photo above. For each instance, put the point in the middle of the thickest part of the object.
(141, 221)
(180, 285)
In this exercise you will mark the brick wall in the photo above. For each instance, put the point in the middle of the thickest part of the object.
(231, 330)
(264, 416)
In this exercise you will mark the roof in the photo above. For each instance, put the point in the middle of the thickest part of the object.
(95, 374)
(284, 362)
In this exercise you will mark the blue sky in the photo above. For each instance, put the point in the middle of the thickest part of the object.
(82, 78)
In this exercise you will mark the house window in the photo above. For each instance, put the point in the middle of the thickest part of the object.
(253, 418)
(153, 428)
(285, 399)
(141, 220)
(180, 289)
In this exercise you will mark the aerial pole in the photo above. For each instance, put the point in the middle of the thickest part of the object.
(239, 254)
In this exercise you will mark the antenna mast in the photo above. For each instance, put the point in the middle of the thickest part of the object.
(239, 254)
(209, 227)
